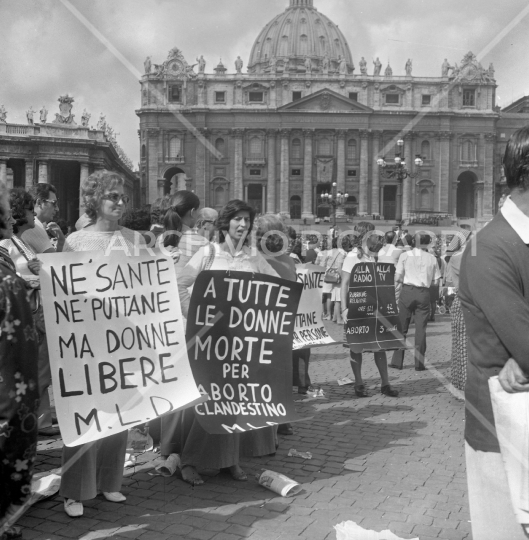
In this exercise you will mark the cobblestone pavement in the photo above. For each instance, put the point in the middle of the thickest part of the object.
(385, 463)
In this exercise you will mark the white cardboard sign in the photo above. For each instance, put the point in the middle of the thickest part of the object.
(116, 340)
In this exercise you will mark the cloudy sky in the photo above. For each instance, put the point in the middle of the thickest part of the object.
(53, 47)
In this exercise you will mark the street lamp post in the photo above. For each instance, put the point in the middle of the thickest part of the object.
(334, 199)
(399, 171)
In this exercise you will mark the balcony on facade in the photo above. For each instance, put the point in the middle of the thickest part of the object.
(255, 161)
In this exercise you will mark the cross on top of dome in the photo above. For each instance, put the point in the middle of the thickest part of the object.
(301, 3)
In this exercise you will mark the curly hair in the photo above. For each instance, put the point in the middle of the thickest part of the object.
(42, 191)
(20, 201)
(94, 187)
(276, 238)
(231, 209)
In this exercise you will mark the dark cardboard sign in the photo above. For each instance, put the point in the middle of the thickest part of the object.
(373, 322)
(239, 335)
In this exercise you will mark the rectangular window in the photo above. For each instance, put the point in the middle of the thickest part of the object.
(255, 172)
(469, 98)
(256, 97)
(353, 96)
(296, 96)
(220, 97)
(175, 93)
(426, 99)
(351, 172)
(295, 172)
(392, 99)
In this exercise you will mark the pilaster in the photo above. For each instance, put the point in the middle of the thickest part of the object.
(488, 176)
(444, 172)
(201, 164)
(307, 174)
(43, 171)
(152, 164)
(29, 173)
(375, 174)
(340, 173)
(364, 170)
(238, 135)
(284, 195)
(271, 165)
(3, 172)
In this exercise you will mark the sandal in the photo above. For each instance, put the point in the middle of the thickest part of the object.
(237, 473)
(361, 391)
(190, 475)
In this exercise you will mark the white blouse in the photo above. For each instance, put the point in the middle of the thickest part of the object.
(242, 261)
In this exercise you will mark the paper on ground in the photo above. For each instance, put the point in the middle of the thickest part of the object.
(511, 416)
(349, 530)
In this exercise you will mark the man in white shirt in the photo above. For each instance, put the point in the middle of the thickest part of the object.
(46, 205)
(205, 225)
(417, 270)
(389, 252)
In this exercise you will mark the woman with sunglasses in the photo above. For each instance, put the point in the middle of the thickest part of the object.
(98, 466)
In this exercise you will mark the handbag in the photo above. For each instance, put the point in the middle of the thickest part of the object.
(333, 275)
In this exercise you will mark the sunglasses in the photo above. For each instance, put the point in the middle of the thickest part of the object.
(116, 198)
(54, 202)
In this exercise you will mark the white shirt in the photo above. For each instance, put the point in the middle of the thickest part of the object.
(418, 267)
(37, 238)
(352, 260)
(390, 254)
(516, 219)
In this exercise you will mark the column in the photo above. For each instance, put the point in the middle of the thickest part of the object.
(340, 164)
(152, 164)
(407, 182)
(307, 175)
(364, 171)
(444, 172)
(161, 187)
(375, 174)
(43, 172)
(488, 176)
(271, 193)
(263, 198)
(200, 164)
(284, 199)
(29, 173)
(3, 172)
(238, 164)
(82, 177)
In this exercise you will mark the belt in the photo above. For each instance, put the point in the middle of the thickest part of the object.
(417, 287)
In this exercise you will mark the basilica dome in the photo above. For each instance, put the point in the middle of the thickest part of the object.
(300, 32)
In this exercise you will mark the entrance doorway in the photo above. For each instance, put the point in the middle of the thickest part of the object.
(466, 195)
(175, 180)
(65, 177)
(389, 202)
(255, 197)
(295, 207)
(323, 209)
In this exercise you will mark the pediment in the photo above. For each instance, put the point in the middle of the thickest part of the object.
(326, 101)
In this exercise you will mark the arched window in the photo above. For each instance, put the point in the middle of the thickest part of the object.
(256, 147)
(425, 195)
(220, 196)
(219, 145)
(283, 50)
(425, 198)
(304, 49)
(425, 149)
(351, 149)
(143, 152)
(324, 147)
(295, 207)
(296, 149)
(323, 45)
(175, 147)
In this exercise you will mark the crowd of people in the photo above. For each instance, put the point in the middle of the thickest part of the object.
(492, 341)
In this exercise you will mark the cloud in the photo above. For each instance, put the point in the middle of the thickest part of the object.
(47, 52)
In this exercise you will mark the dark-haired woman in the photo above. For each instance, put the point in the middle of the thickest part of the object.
(179, 220)
(98, 466)
(364, 244)
(19, 395)
(27, 266)
(204, 451)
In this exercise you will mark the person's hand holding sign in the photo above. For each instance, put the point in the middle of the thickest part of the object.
(35, 265)
(512, 378)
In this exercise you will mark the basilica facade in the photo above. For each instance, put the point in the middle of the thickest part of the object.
(306, 119)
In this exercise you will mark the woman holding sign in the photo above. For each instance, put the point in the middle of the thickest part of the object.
(355, 257)
(98, 466)
(202, 450)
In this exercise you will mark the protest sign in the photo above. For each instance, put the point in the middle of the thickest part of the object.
(239, 333)
(116, 339)
(372, 319)
(310, 330)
